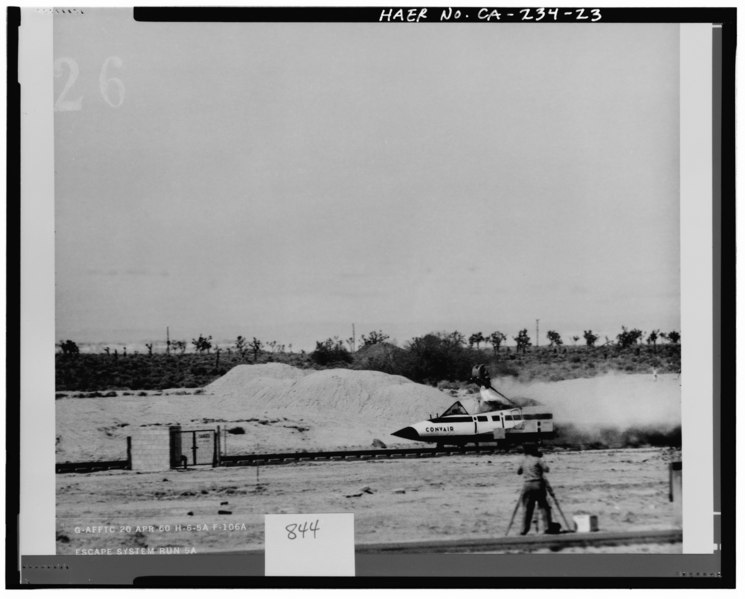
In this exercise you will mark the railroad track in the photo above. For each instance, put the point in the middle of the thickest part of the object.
(351, 455)
(94, 466)
(260, 459)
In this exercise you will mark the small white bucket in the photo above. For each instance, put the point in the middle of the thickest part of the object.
(585, 523)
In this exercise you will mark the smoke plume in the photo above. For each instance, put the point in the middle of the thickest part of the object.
(613, 410)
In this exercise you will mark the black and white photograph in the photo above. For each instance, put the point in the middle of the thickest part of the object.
(424, 273)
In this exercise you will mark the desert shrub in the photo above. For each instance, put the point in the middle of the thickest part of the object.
(374, 337)
(380, 356)
(439, 356)
(237, 430)
(190, 381)
(628, 338)
(431, 358)
(500, 368)
(199, 370)
(331, 352)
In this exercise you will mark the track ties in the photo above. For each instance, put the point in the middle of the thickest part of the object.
(260, 459)
(351, 455)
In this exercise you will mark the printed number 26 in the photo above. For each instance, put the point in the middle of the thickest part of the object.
(105, 84)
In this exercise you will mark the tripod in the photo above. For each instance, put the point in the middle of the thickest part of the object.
(550, 493)
(556, 501)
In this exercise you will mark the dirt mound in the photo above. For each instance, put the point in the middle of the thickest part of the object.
(245, 375)
(329, 393)
(279, 407)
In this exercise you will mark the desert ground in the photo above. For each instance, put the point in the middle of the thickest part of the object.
(455, 497)
(276, 407)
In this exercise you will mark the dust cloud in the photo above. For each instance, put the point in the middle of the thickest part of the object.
(610, 410)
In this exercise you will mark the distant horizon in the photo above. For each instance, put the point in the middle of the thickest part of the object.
(159, 341)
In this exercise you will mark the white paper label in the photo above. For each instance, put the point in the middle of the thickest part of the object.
(309, 544)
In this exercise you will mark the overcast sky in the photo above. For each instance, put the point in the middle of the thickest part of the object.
(288, 180)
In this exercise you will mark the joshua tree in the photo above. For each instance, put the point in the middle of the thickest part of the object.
(627, 338)
(652, 339)
(554, 339)
(202, 343)
(476, 339)
(496, 339)
(241, 346)
(256, 347)
(69, 347)
(590, 338)
(522, 341)
(456, 338)
(374, 337)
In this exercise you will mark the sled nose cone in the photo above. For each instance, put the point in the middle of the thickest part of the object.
(408, 432)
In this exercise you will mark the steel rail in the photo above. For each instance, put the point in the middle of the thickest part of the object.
(350, 455)
(259, 459)
(94, 466)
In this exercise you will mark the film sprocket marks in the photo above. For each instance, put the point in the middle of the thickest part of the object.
(348, 264)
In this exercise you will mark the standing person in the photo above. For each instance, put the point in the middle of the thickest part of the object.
(534, 489)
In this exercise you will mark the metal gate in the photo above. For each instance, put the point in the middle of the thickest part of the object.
(197, 448)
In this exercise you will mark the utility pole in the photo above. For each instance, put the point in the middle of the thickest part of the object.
(354, 339)
(537, 320)
(168, 341)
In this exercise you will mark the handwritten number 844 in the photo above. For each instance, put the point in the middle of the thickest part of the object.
(111, 88)
(296, 530)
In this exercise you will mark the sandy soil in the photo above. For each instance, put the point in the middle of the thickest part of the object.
(282, 408)
(412, 499)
